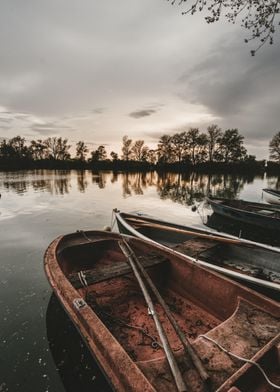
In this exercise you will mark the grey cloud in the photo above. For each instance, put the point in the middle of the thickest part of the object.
(98, 110)
(49, 128)
(238, 88)
(72, 65)
(142, 113)
(6, 120)
(93, 53)
(5, 127)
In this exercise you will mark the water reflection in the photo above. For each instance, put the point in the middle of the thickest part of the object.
(137, 183)
(82, 183)
(76, 367)
(183, 188)
(56, 182)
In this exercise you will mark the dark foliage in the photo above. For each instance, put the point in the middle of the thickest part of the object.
(259, 18)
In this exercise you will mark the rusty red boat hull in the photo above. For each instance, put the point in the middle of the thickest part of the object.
(108, 312)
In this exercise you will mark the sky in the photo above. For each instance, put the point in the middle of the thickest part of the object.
(98, 70)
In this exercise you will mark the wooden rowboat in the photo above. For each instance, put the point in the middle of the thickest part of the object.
(271, 196)
(92, 277)
(246, 261)
(257, 214)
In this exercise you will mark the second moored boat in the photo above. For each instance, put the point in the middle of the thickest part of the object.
(256, 264)
(271, 196)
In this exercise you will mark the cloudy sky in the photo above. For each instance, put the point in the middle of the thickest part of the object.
(98, 70)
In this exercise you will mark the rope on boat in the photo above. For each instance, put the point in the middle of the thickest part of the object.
(242, 359)
(82, 278)
(84, 235)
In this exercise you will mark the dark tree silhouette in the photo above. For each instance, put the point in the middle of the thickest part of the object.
(57, 148)
(259, 18)
(126, 148)
(81, 151)
(38, 149)
(99, 155)
(179, 143)
(212, 138)
(139, 151)
(196, 143)
(274, 148)
(152, 156)
(165, 151)
(14, 148)
(231, 147)
(114, 156)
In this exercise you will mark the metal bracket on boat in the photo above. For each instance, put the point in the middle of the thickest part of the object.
(150, 312)
(79, 303)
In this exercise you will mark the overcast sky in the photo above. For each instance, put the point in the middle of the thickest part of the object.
(98, 70)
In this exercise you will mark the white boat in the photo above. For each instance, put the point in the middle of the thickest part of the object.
(271, 196)
(247, 261)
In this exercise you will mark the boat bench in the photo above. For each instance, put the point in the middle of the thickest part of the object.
(195, 246)
(84, 278)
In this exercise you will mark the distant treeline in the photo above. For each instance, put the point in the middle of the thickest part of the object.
(215, 150)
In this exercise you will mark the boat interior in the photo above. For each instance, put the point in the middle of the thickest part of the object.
(203, 304)
(255, 261)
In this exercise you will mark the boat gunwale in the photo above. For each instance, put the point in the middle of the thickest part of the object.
(79, 318)
(218, 269)
(273, 192)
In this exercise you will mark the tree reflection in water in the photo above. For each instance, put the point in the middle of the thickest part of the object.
(53, 181)
(81, 181)
(136, 183)
(184, 188)
(193, 187)
(99, 178)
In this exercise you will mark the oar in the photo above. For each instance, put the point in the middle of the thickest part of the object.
(187, 345)
(165, 343)
(184, 231)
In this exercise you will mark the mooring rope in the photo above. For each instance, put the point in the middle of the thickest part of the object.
(241, 359)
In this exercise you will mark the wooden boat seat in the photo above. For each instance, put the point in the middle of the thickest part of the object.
(244, 333)
(195, 246)
(108, 272)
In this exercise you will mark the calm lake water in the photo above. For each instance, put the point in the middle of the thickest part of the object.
(39, 348)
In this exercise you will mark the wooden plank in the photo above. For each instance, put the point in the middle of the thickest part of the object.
(96, 275)
(195, 246)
